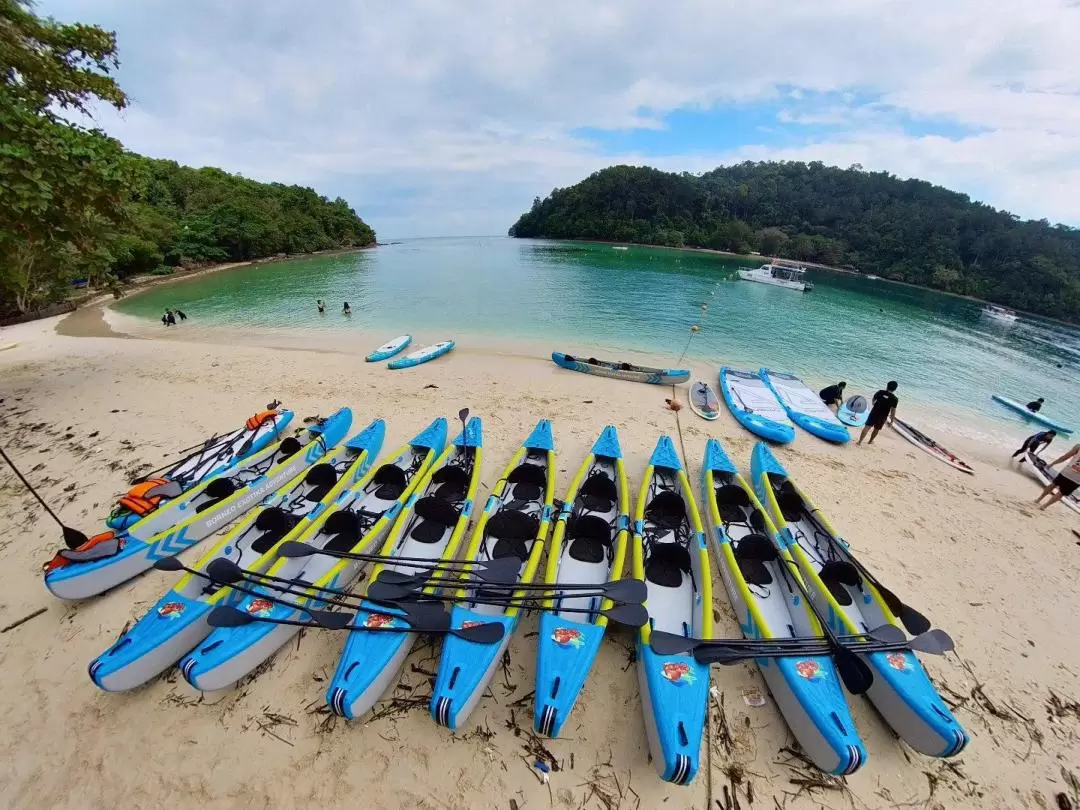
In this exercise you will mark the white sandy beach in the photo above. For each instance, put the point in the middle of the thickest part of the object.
(81, 414)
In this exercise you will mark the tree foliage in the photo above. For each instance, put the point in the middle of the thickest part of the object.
(74, 203)
(906, 230)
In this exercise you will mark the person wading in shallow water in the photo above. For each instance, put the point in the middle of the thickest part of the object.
(883, 410)
(346, 310)
(321, 306)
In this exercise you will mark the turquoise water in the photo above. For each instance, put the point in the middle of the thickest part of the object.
(568, 295)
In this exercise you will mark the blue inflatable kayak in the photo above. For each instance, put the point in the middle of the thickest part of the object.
(621, 371)
(804, 407)
(754, 405)
(1031, 416)
(423, 355)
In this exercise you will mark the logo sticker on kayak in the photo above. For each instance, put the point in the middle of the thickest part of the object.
(678, 672)
(260, 607)
(171, 610)
(567, 637)
(899, 662)
(379, 620)
(811, 670)
(470, 623)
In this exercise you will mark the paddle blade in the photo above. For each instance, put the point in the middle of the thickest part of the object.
(887, 633)
(170, 489)
(432, 616)
(933, 642)
(331, 620)
(629, 615)
(913, 621)
(73, 538)
(379, 591)
(294, 549)
(854, 672)
(629, 591)
(227, 616)
(502, 571)
(391, 577)
(721, 654)
(224, 571)
(671, 644)
(487, 633)
(168, 564)
(463, 415)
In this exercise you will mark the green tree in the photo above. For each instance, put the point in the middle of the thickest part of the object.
(63, 186)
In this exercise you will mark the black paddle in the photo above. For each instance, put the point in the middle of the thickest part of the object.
(73, 538)
(619, 590)
(228, 616)
(721, 653)
(490, 569)
(913, 621)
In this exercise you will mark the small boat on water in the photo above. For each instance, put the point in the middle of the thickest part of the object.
(793, 277)
(1001, 314)
(621, 371)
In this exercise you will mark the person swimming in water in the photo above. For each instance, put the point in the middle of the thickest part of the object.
(346, 310)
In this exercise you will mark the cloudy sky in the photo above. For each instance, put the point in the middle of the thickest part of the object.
(439, 118)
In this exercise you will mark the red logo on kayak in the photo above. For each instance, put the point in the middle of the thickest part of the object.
(171, 610)
(898, 661)
(567, 637)
(811, 670)
(379, 620)
(678, 672)
(465, 625)
(260, 607)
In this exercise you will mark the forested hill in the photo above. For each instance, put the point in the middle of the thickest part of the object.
(906, 230)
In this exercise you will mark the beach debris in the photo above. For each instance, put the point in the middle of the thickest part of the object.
(24, 619)
(430, 385)
(674, 404)
(752, 697)
(543, 769)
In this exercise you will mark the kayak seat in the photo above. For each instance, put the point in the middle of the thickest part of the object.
(321, 478)
(731, 500)
(752, 552)
(391, 481)
(791, 504)
(837, 577)
(215, 492)
(344, 528)
(453, 483)
(435, 515)
(511, 529)
(427, 531)
(528, 481)
(591, 538)
(274, 523)
(757, 521)
(667, 563)
(598, 493)
(289, 446)
(667, 510)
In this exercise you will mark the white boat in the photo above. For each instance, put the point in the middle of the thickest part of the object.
(999, 313)
(792, 277)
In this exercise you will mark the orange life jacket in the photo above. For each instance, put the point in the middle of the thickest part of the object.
(59, 560)
(136, 500)
(255, 421)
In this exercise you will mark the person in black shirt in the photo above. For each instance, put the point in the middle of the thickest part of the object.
(883, 410)
(833, 395)
(1036, 443)
(1035, 406)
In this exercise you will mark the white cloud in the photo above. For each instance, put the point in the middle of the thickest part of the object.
(435, 117)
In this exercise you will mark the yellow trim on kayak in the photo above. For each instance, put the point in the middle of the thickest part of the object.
(403, 518)
(265, 560)
(533, 563)
(807, 566)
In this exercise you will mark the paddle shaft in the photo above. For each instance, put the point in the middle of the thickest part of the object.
(32, 491)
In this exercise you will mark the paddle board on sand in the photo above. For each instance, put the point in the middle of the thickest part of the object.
(804, 407)
(1031, 416)
(423, 355)
(928, 445)
(754, 405)
(389, 349)
(703, 401)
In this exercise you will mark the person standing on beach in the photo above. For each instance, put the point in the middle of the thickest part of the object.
(1036, 443)
(346, 310)
(1065, 483)
(882, 411)
(833, 395)
(1035, 406)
